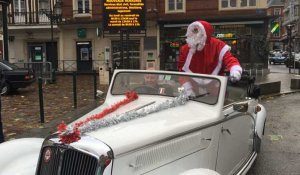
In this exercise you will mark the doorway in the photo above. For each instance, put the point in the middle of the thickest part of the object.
(84, 56)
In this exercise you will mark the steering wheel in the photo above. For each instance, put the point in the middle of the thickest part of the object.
(146, 89)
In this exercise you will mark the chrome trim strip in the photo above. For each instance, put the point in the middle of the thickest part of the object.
(247, 165)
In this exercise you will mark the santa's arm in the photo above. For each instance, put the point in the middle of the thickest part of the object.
(232, 64)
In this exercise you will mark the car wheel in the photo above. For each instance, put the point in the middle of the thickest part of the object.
(5, 89)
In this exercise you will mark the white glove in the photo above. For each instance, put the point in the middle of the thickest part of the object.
(189, 89)
(235, 73)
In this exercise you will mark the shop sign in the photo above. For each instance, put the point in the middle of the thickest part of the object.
(174, 45)
(225, 36)
(123, 14)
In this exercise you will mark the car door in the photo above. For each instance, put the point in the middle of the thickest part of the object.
(236, 136)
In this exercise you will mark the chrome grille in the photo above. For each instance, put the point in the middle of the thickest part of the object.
(65, 161)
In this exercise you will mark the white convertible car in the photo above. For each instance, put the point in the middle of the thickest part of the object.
(151, 129)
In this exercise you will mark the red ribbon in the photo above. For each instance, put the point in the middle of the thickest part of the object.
(75, 135)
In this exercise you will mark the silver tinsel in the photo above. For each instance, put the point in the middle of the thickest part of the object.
(130, 115)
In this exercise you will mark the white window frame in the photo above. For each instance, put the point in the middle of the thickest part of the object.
(238, 5)
(83, 14)
(167, 10)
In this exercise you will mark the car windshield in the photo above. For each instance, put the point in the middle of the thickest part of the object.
(205, 89)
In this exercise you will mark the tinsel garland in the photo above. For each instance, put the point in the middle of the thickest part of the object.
(72, 133)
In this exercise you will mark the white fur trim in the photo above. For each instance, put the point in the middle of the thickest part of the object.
(236, 68)
(220, 60)
(186, 66)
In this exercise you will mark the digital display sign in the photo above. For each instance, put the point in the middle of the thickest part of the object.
(123, 14)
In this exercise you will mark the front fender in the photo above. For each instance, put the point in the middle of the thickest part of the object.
(20, 156)
(260, 121)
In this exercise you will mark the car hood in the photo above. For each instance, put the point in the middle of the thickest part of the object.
(136, 133)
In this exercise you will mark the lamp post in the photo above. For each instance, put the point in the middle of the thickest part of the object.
(289, 37)
(54, 15)
(4, 4)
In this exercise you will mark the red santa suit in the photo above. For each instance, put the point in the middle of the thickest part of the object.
(205, 54)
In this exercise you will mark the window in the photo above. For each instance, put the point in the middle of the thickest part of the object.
(19, 6)
(277, 11)
(175, 6)
(44, 5)
(83, 6)
(229, 4)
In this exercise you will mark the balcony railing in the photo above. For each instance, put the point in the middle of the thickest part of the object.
(41, 17)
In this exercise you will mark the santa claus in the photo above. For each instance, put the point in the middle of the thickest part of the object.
(205, 54)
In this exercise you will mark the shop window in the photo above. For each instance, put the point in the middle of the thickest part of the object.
(174, 6)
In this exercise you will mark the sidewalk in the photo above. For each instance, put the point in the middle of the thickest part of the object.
(20, 112)
(284, 78)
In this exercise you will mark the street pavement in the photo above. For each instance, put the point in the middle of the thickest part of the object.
(280, 149)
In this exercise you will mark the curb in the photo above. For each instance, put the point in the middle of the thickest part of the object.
(263, 97)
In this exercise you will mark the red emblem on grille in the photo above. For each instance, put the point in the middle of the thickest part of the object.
(47, 155)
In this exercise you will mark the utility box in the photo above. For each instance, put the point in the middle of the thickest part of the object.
(103, 75)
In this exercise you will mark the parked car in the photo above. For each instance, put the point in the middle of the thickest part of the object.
(277, 57)
(14, 77)
(294, 61)
(217, 130)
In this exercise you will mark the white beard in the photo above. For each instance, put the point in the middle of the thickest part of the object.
(195, 40)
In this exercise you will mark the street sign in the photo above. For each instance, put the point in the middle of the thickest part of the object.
(123, 14)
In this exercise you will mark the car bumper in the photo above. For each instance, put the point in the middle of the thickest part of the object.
(21, 84)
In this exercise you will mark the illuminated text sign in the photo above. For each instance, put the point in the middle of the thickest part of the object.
(123, 14)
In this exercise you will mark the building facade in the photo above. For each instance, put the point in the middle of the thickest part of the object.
(77, 39)
(276, 29)
(291, 17)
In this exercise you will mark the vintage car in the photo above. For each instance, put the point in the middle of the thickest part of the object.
(152, 130)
